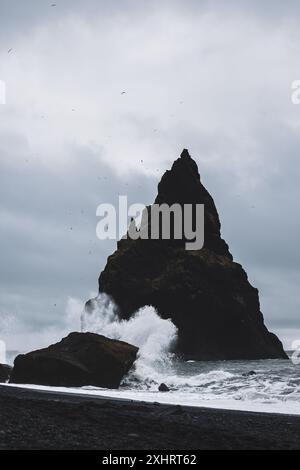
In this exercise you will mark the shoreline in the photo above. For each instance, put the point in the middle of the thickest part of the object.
(39, 419)
(109, 394)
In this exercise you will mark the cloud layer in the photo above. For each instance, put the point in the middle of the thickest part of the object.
(200, 75)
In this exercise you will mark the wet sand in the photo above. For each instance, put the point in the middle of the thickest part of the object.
(50, 420)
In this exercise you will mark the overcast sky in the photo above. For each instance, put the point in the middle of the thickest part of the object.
(212, 76)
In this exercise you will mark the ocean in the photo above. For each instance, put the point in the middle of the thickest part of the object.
(261, 385)
(274, 388)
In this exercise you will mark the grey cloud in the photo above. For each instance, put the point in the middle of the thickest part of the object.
(212, 78)
(49, 249)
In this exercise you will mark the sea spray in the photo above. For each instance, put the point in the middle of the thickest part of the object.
(275, 386)
(100, 312)
(154, 336)
(225, 384)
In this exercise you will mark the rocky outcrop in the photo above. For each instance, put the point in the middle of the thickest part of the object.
(205, 293)
(5, 371)
(163, 388)
(77, 360)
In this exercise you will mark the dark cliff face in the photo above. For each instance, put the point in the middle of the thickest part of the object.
(205, 293)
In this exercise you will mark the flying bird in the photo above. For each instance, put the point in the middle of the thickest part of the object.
(9, 50)
(123, 93)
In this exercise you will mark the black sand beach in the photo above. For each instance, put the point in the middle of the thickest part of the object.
(46, 420)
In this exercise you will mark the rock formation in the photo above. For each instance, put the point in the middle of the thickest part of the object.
(205, 293)
(77, 360)
(5, 371)
(163, 388)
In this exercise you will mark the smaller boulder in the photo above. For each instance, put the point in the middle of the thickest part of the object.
(163, 388)
(5, 371)
(79, 359)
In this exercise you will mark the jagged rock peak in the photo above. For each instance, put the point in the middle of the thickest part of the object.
(204, 292)
(185, 154)
(176, 184)
(181, 184)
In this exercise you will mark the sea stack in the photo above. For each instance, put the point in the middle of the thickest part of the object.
(204, 292)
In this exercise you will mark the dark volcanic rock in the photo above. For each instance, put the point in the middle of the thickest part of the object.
(5, 371)
(205, 293)
(77, 360)
(163, 388)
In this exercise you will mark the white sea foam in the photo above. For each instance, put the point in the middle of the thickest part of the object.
(274, 387)
(178, 398)
(145, 329)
